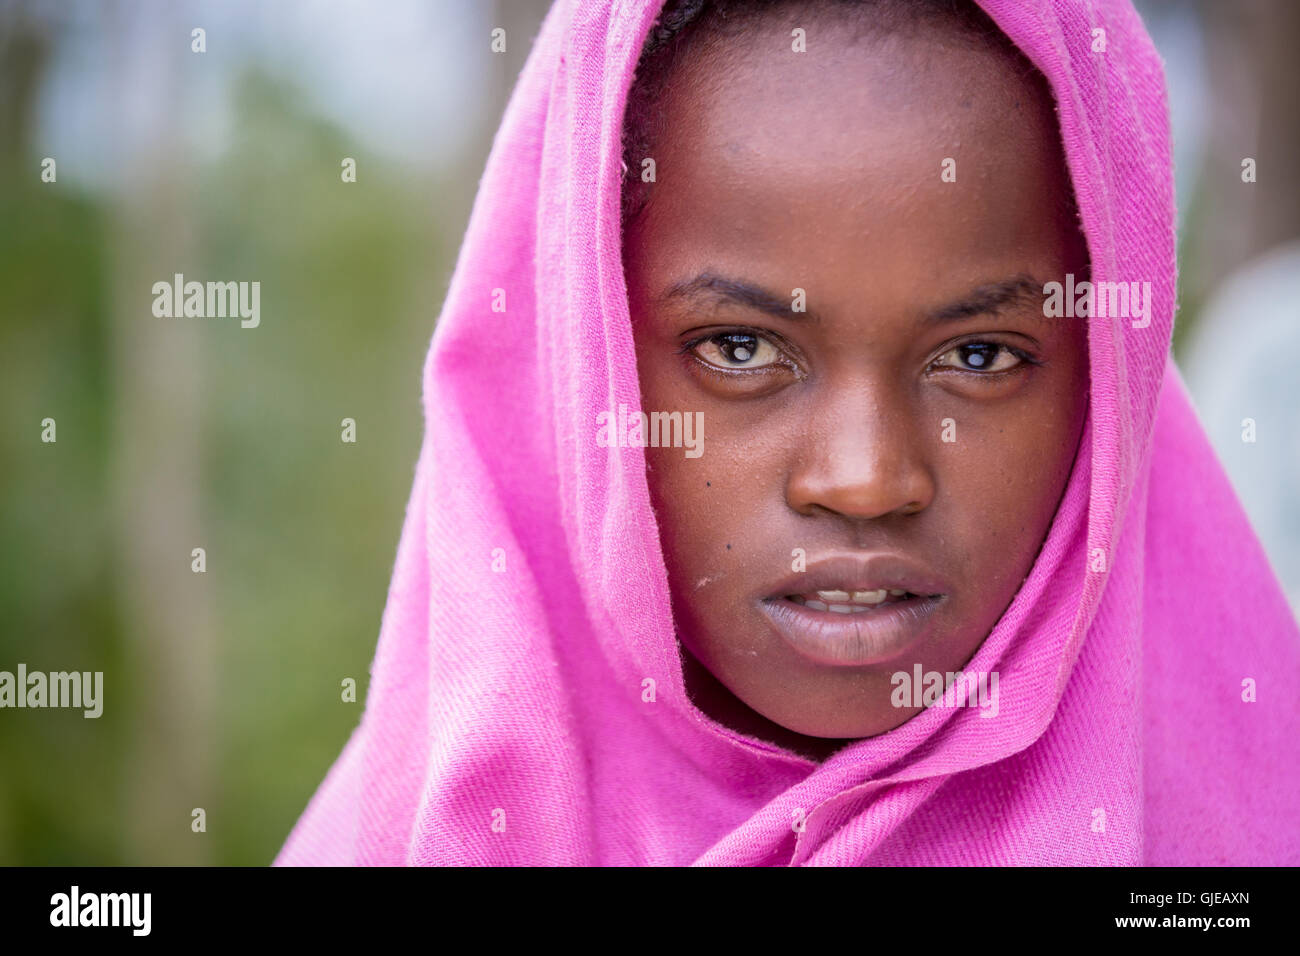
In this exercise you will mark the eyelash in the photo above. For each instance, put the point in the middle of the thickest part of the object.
(689, 349)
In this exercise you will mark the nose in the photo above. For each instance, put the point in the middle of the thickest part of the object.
(862, 458)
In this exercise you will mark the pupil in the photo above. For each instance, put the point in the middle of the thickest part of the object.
(739, 348)
(979, 355)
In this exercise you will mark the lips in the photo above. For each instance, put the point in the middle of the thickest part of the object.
(856, 609)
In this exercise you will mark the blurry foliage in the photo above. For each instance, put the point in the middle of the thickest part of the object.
(301, 529)
(57, 595)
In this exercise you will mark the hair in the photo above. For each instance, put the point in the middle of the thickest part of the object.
(681, 20)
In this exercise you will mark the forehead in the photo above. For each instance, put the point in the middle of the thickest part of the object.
(835, 155)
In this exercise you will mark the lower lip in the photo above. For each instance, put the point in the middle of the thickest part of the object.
(853, 640)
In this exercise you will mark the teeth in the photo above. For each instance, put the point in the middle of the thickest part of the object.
(846, 602)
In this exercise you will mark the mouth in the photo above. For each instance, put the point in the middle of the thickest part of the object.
(850, 602)
(856, 610)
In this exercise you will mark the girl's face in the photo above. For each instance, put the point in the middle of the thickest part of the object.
(886, 408)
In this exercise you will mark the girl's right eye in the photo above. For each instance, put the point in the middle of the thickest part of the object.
(735, 350)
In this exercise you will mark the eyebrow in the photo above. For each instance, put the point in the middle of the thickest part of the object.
(720, 289)
(1017, 292)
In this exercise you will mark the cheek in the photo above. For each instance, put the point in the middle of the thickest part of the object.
(715, 512)
(722, 517)
(1000, 484)
(680, 488)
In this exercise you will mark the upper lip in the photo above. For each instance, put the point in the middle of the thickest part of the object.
(861, 571)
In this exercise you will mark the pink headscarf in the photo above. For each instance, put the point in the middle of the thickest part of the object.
(507, 721)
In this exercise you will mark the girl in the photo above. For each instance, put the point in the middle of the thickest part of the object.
(799, 488)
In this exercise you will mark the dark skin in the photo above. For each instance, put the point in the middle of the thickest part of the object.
(824, 429)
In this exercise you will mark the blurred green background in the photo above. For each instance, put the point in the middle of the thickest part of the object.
(223, 689)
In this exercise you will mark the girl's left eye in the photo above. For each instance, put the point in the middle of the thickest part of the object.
(736, 350)
(981, 357)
